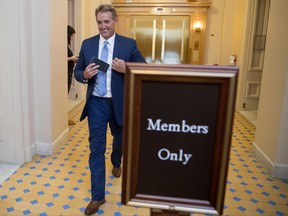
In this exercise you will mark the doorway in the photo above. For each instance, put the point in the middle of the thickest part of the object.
(75, 95)
(258, 15)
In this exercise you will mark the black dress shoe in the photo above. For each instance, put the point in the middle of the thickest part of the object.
(116, 172)
(93, 207)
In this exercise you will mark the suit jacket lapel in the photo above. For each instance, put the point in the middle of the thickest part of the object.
(116, 46)
(95, 51)
(96, 45)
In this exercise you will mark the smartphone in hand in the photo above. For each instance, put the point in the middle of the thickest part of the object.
(103, 66)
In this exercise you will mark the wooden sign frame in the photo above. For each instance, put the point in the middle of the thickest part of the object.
(205, 176)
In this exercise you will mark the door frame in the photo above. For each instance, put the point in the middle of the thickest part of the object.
(75, 20)
(250, 81)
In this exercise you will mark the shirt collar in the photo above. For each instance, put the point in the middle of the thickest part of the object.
(110, 40)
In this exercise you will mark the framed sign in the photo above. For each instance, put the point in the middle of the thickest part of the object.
(177, 136)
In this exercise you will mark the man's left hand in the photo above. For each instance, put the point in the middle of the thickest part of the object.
(119, 65)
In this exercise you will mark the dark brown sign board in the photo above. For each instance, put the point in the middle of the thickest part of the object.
(177, 136)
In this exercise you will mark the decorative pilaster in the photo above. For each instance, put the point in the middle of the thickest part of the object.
(20, 69)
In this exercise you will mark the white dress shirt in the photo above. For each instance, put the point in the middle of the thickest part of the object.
(110, 47)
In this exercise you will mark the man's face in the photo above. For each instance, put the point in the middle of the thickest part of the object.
(106, 25)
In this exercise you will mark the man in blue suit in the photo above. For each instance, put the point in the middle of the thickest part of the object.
(104, 107)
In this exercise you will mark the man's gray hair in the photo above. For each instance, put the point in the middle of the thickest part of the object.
(105, 8)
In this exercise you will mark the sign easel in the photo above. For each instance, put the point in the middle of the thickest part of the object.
(177, 137)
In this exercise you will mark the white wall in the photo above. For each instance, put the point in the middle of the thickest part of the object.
(213, 40)
(226, 22)
(49, 24)
(271, 141)
(33, 78)
(89, 19)
(225, 36)
(8, 148)
(41, 70)
(58, 55)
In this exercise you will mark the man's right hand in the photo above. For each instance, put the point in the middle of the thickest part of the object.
(90, 71)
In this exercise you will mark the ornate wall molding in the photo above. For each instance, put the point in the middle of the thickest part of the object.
(20, 70)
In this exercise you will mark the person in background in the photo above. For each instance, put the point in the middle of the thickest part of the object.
(71, 61)
(104, 107)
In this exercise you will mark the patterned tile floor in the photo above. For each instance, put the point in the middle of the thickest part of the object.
(59, 184)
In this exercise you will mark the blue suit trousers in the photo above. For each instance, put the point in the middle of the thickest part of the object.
(100, 114)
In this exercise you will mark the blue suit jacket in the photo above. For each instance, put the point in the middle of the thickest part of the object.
(125, 49)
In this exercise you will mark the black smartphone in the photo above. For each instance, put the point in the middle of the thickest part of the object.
(103, 66)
